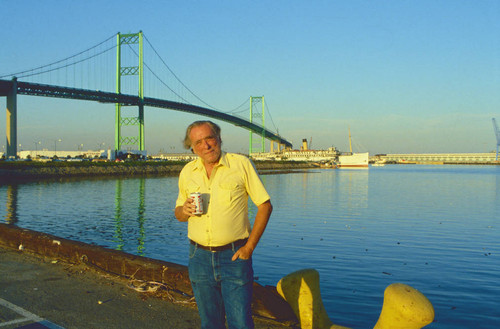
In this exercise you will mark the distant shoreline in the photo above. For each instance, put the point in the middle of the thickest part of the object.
(34, 171)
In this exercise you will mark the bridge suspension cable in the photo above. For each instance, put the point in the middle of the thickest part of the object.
(91, 70)
(22, 74)
(235, 110)
(272, 121)
(74, 60)
(157, 77)
(176, 77)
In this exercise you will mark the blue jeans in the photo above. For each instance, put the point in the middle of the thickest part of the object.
(222, 288)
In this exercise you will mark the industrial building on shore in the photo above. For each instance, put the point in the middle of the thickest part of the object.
(287, 155)
(438, 158)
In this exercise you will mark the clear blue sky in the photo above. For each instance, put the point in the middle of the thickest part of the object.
(405, 76)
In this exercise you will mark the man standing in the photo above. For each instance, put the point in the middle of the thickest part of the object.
(221, 239)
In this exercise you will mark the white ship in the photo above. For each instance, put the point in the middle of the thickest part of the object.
(304, 154)
(353, 160)
(330, 156)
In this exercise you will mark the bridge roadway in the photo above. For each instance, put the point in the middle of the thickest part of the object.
(35, 89)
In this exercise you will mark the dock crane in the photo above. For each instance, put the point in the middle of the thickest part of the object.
(497, 135)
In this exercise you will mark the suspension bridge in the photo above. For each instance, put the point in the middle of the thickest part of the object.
(93, 75)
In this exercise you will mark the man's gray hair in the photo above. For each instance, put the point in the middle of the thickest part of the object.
(215, 128)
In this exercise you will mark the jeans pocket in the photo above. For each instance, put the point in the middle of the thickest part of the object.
(240, 271)
(192, 251)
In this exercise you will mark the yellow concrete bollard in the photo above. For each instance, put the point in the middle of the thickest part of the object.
(301, 290)
(404, 308)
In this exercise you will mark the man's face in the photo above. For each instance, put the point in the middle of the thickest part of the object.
(205, 143)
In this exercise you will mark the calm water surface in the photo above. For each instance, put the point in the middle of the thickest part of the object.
(435, 228)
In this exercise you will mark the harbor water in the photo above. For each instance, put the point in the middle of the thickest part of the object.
(435, 228)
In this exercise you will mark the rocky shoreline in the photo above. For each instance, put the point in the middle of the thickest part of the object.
(19, 172)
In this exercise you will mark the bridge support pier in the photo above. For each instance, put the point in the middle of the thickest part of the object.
(11, 122)
(278, 147)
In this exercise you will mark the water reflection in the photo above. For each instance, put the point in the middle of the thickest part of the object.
(435, 227)
(120, 203)
(353, 185)
(321, 193)
(118, 235)
(497, 195)
(140, 217)
(11, 204)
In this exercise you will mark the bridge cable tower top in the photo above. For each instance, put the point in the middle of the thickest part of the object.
(124, 70)
(258, 117)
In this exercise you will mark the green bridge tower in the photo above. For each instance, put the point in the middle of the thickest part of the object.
(257, 117)
(121, 137)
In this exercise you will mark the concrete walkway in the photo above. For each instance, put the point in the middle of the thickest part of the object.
(39, 293)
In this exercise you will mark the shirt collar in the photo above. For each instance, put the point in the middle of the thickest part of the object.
(223, 159)
(222, 162)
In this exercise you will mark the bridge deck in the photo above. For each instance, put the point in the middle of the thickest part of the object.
(35, 89)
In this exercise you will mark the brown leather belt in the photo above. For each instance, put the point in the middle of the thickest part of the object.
(237, 243)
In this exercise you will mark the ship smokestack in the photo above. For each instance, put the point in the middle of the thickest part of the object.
(304, 145)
